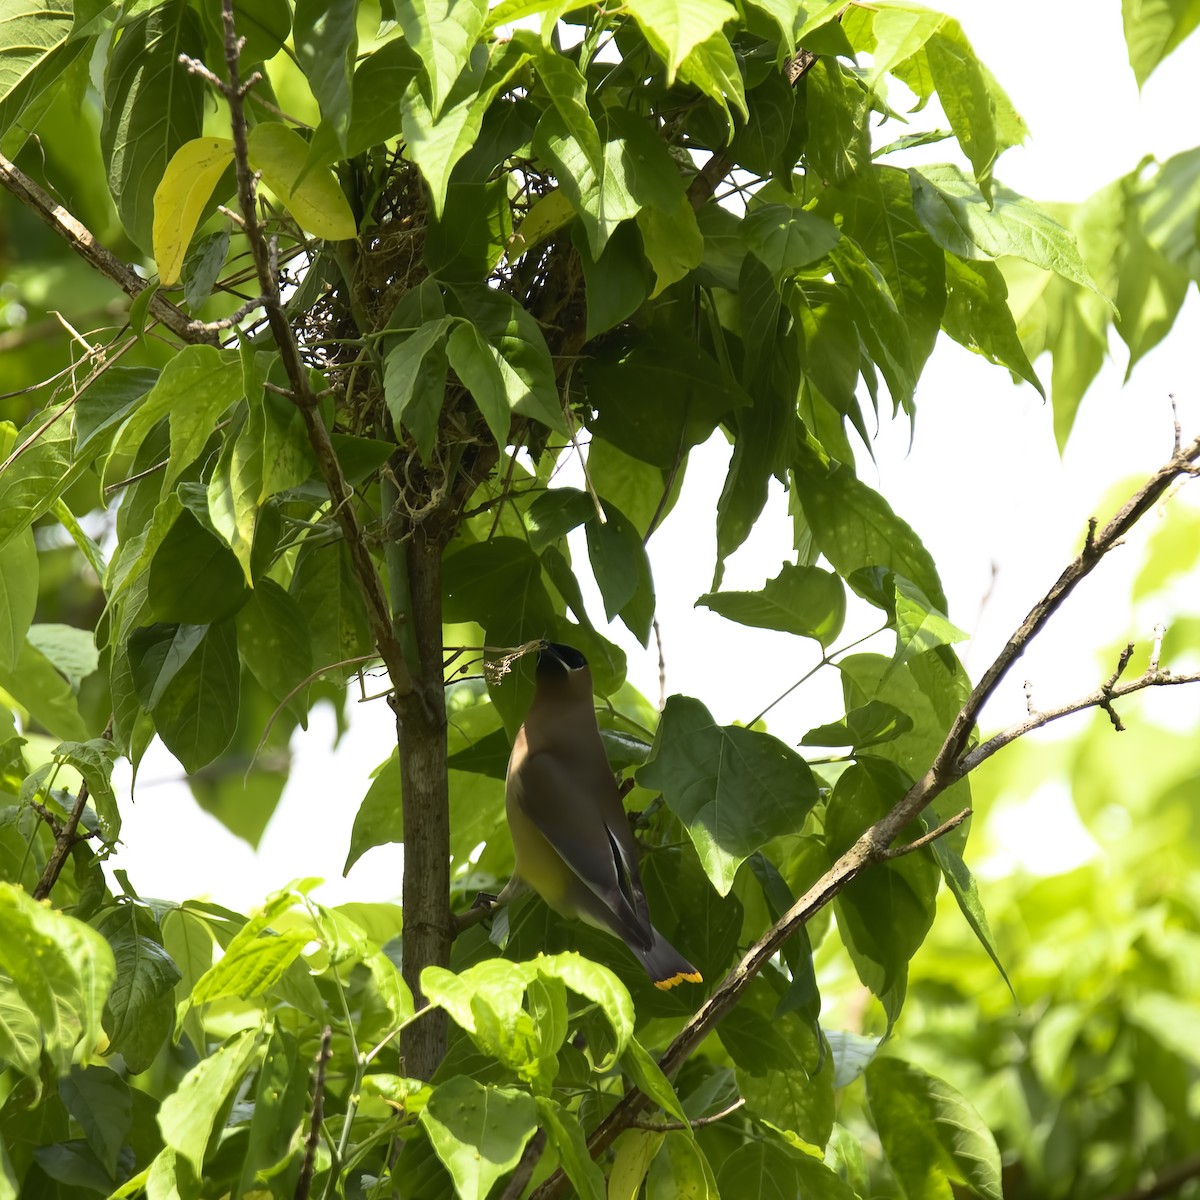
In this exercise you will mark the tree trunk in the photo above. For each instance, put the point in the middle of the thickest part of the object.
(421, 736)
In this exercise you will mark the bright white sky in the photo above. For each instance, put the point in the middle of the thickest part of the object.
(982, 484)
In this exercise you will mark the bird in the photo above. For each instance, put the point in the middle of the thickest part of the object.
(571, 837)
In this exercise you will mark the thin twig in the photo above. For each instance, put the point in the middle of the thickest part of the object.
(83, 242)
(699, 1122)
(65, 837)
(662, 666)
(313, 1140)
(926, 839)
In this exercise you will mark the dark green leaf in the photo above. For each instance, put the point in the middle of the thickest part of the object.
(274, 644)
(804, 601)
(99, 1101)
(733, 788)
(326, 591)
(380, 817)
(869, 725)
(326, 41)
(195, 578)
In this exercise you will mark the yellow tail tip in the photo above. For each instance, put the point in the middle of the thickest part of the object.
(689, 976)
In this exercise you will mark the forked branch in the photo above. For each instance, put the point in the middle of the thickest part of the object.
(952, 762)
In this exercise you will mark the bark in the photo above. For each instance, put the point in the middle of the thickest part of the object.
(421, 736)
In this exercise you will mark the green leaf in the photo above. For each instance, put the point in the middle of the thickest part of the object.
(672, 241)
(326, 592)
(567, 88)
(872, 723)
(786, 239)
(690, 397)
(195, 578)
(622, 570)
(977, 316)
(314, 198)
(254, 960)
(674, 27)
(839, 141)
(713, 67)
(35, 684)
(325, 35)
(497, 584)
(98, 1100)
(478, 1132)
(930, 1133)
(18, 595)
(233, 491)
(188, 679)
(273, 643)
(762, 1169)
(280, 1098)
(960, 220)
(554, 513)
(194, 389)
(414, 381)
(885, 913)
(635, 1151)
(647, 1075)
(30, 483)
(152, 106)
(34, 51)
(681, 1172)
(140, 1014)
(94, 762)
(854, 527)
(520, 358)
(442, 32)
(733, 788)
(379, 819)
(1153, 29)
(189, 1114)
(567, 1137)
(60, 971)
(804, 601)
(920, 626)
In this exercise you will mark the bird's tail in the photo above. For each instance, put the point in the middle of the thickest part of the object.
(665, 965)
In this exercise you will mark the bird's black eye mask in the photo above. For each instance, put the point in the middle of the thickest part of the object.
(554, 659)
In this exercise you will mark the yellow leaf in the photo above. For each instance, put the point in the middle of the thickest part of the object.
(187, 184)
(317, 201)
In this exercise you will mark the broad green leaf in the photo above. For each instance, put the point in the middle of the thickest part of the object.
(94, 762)
(690, 397)
(188, 1115)
(554, 513)
(379, 819)
(274, 644)
(442, 32)
(977, 316)
(233, 491)
(961, 221)
(1153, 29)
(617, 283)
(635, 1151)
(195, 711)
(31, 482)
(567, 88)
(98, 1100)
(18, 595)
(280, 1100)
(852, 1053)
(786, 239)
(254, 961)
(140, 1014)
(326, 592)
(839, 140)
(34, 52)
(35, 684)
(713, 67)
(733, 788)
(792, 1100)
(72, 651)
(672, 241)
(497, 584)
(931, 1134)
(640, 1066)
(414, 365)
(436, 144)
(622, 570)
(674, 27)
(872, 723)
(920, 626)
(194, 577)
(195, 387)
(183, 192)
(761, 1169)
(152, 106)
(478, 1132)
(567, 1137)
(325, 35)
(680, 1171)
(264, 24)
(854, 526)
(519, 359)
(316, 200)
(805, 601)
(548, 215)
(59, 971)
(1172, 1021)
(884, 914)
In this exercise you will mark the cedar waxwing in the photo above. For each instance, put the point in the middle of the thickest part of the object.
(570, 832)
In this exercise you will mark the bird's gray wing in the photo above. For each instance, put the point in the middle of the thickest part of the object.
(569, 811)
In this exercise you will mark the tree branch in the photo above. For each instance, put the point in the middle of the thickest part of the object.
(873, 845)
(83, 242)
(65, 836)
(302, 395)
(313, 1140)
(1171, 1180)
